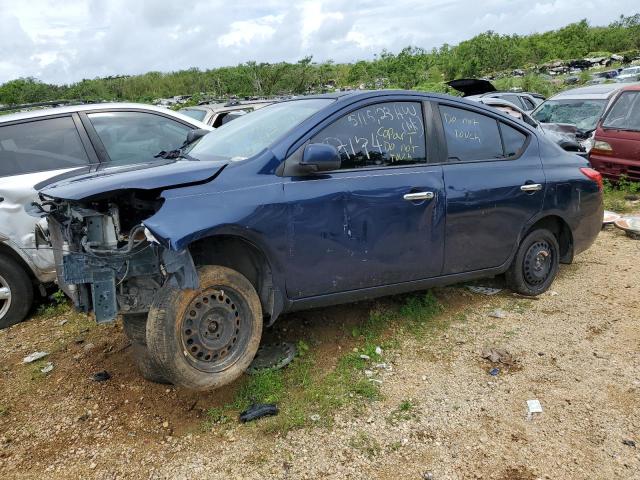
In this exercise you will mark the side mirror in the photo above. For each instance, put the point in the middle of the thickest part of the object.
(195, 134)
(319, 157)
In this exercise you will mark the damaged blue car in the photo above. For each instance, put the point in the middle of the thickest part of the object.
(311, 202)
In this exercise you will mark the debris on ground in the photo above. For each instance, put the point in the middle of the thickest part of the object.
(494, 372)
(631, 226)
(610, 217)
(533, 406)
(259, 410)
(498, 356)
(365, 357)
(47, 368)
(62, 322)
(102, 376)
(484, 290)
(315, 417)
(32, 357)
(498, 313)
(272, 356)
(629, 443)
(378, 351)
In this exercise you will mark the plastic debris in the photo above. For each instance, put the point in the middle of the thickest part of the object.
(631, 225)
(610, 217)
(259, 410)
(368, 373)
(47, 368)
(533, 406)
(498, 313)
(494, 371)
(365, 357)
(102, 376)
(62, 322)
(34, 356)
(484, 290)
(378, 351)
(272, 356)
(315, 417)
(629, 443)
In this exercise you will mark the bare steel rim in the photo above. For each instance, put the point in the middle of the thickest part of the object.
(5, 297)
(538, 263)
(215, 329)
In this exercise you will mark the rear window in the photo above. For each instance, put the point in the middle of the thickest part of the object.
(625, 112)
(51, 144)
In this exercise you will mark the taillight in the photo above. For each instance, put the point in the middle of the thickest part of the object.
(601, 147)
(592, 174)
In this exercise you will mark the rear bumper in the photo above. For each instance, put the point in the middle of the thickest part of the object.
(612, 168)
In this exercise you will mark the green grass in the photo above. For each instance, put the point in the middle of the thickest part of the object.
(59, 304)
(615, 193)
(308, 393)
(365, 444)
(4, 410)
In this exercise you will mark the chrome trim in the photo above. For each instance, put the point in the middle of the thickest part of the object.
(531, 187)
(412, 197)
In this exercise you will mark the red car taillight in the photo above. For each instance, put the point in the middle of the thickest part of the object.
(592, 175)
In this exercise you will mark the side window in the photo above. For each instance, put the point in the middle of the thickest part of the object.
(133, 137)
(385, 134)
(528, 104)
(470, 135)
(512, 139)
(40, 145)
(515, 99)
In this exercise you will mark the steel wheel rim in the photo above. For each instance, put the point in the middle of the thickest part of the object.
(538, 263)
(215, 329)
(5, 297)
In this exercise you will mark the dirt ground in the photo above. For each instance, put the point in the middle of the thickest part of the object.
(442, 415)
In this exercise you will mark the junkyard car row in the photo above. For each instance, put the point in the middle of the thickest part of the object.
(309, 202)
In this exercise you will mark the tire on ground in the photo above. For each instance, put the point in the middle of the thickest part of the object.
(535, 265)
(135, 328)
(206, 338)
(21, 289)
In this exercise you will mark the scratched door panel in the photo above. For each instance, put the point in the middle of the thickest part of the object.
(354, 229)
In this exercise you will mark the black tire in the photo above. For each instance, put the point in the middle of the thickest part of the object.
(535, 265)
(206, 338)
(17, 281)
(135, 328)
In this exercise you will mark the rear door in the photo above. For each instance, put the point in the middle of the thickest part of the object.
(494, 184)
(31, 152)
(378, 220)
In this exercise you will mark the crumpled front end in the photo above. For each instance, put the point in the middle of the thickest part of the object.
(107, 260)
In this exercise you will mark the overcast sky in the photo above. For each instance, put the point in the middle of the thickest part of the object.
(64, 41)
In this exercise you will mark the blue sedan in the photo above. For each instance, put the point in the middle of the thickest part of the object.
(310, 202)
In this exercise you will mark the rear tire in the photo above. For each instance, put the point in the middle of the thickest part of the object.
(135, 328)
(206, 338)
(535, 265)
(16, 292)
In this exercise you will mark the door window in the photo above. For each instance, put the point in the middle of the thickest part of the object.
(625, 113)
(133, 137)
(473, 136)
(381, 135)
(41, 145)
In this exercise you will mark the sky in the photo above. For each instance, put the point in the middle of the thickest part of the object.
(60, 41)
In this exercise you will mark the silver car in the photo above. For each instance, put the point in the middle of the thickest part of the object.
(217, 114)
(40, 144)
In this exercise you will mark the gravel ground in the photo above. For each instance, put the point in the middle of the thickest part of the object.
(576, 349)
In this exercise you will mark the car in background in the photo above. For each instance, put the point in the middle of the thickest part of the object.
(629, 74)
(310, 202)
(582, 107)
(563, 135)
(475, 89)
(217, 114)
(616, 148)
(40, 144)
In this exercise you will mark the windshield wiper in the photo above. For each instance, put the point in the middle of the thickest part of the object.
(174, 154)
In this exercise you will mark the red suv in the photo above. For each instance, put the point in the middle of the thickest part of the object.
(616, 149)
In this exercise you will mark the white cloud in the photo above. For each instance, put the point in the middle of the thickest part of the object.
(66, 40)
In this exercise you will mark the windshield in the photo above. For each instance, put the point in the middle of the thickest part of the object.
(584, 114)
(625, 112)
(252, 133)
(193, 113)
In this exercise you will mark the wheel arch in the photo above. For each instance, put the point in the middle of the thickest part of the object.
(8, 251)
(250, 259)
(560, 229)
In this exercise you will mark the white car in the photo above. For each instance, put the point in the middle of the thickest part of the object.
(38, 145)
(630, 74)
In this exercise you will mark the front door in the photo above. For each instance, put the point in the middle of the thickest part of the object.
(495, 184)
(378, 220)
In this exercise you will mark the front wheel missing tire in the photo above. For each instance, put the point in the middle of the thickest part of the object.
(206, 338)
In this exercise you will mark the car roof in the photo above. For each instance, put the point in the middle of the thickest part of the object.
(95, 107)
(601, 91)
(216, 107)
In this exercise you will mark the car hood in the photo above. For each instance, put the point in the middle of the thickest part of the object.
(472, 86)
(94, 183)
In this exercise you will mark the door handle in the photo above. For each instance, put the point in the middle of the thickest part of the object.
(531, 187)
(412, 197)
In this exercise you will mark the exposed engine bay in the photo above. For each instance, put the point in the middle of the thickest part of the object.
(107, 260)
